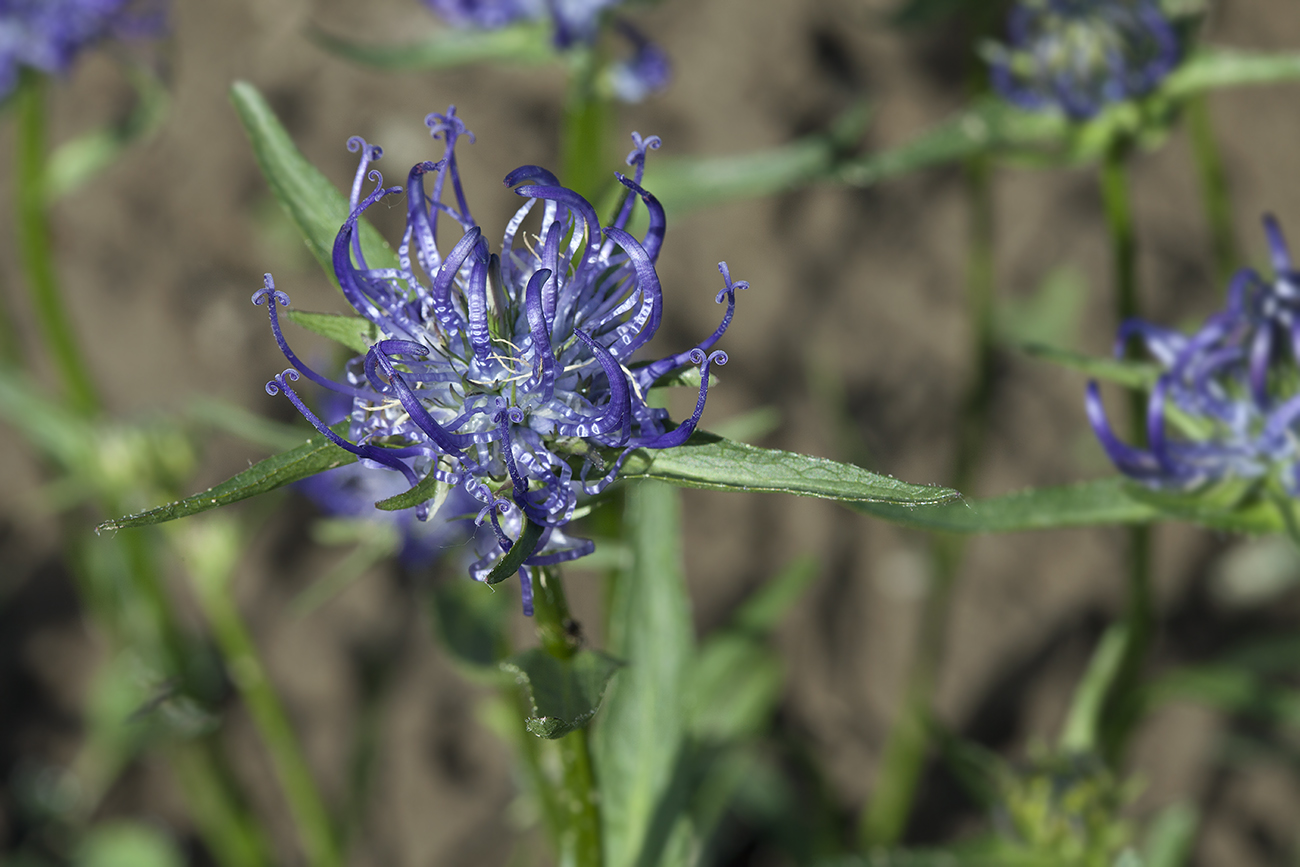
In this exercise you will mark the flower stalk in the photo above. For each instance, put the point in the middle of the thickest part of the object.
(574, 796)
(35, 250)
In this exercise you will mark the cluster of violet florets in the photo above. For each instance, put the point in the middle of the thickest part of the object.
(1078, 56)
(504, 374)
(574, 23)
(47, 35)
(1234, 386)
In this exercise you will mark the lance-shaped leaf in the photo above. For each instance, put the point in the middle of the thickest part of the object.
(1214, 68)
(563, 694)
(708, 461)
(683, 184)
(314, 456)
(639, 739)
(522, 43)
(1134, 374)
(1114, 500)
(316, 207)
(354, 332)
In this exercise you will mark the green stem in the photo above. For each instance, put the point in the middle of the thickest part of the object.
(884, 819)
(578, 816)
(249, 676)
(1118, 718)
(35, 249)
(225, 826)
(139, 614)
(584, 159)
(1214, 188)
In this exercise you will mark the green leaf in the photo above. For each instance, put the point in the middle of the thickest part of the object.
(523, 43)
(987, 126)
(761, 612)
(1114, 500)
(312, 202)
(127, 844)
(518, 553)
(1171, 837)
(354, 332)
(429, 488)
(1213, 68)
(733, 688)
(563, 694)
(314, 456)
(708, 461)
(1134, 374)
(683, 184)
(74, 163)
(1079, 505)
(470, 620)
(639, 738)
(1081, 725)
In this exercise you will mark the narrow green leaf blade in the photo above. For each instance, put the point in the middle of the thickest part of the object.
(312, 202)
(683, 184)
(1080, 505)
(522, 44)
(315, 455)
(708, 461)
(563, 693)
(638, 738)
(1213, 68)
(518, 553)
(354, 332)
(1113, 500)
(1134, 374)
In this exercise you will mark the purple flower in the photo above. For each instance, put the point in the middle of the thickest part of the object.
(47, 35)
(575, 21)
(351, 491)
(1080, 55)
(1232, 388)
(647, 71)
(506, 373)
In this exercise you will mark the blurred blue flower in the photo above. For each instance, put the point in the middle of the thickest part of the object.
(47, 35)
(647, 71)
(1079, 55)
(1232, 388)
(506, 373)
(575, 21)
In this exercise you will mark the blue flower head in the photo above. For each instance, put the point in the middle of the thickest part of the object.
(47, 35)
(506, 373)
(1232, 389)
(575, 21)
(1080, 55)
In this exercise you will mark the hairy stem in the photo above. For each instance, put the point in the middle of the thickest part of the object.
(34, 246)
(575, 804)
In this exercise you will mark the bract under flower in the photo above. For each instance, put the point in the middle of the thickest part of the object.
(1080, 55)
(1233, 387)
(505, 373)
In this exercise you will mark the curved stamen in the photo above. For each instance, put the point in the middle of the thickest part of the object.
(575, 203)
(440, 290)
(617, 413)
(449, 442)
(683, 431)
(648, 375)
(633, 334)
(654, 235)
(543, 357)
(273, 297)
(281, 384)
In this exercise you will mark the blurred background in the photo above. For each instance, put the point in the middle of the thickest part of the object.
(854, 334)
